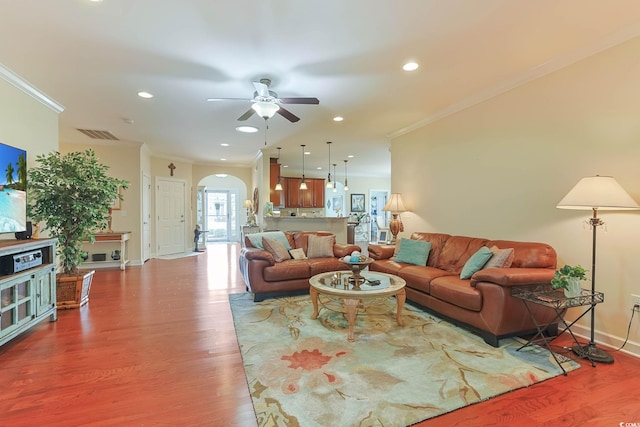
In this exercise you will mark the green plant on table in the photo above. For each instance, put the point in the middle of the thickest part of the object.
(563, 275)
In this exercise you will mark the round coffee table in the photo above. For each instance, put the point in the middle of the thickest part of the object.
(336, 286)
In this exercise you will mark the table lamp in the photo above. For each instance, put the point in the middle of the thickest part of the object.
(395, 206)
(596, 193)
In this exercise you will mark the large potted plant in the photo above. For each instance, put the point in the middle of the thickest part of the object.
(568, 278)
(72, 194)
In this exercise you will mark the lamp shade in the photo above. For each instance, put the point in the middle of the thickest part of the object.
(266, 110)
(394, 204)
(247, 204)
(598, 192)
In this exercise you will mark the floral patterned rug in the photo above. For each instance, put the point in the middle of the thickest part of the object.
(304, 372)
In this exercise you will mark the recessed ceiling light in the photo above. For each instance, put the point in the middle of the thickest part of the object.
(351, 156)
(247, 129)
(222, 175)
(95, 1)
(319, 168)
(410, 66)
(145, 95)
(338, 119)
(285, 166)
(223, 159)
(307, 152)
(224, 145)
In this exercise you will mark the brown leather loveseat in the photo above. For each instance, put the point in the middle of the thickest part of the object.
(267, 277)
(483, 302)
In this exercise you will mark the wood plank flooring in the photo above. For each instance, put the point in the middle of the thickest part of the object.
(156, 346)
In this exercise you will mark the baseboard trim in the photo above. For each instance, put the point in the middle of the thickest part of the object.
(631, 348)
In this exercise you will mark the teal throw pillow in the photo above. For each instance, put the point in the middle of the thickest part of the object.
(476, 262)
(414, 252)
(256, 238)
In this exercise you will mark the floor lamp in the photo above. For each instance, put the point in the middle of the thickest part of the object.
(395, 206)
(596, 193)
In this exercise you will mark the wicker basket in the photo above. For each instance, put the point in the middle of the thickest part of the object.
(73, 292)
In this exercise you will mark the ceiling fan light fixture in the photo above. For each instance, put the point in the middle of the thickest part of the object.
(266, 110)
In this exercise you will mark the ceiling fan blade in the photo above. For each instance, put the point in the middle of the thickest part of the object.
(314, 101)
(288, 115)
(250, 112)
(229, 99)
(261, 88)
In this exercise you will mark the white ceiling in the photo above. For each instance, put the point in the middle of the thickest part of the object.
(93, 57)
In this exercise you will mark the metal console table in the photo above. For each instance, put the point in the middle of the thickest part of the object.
(554, 298)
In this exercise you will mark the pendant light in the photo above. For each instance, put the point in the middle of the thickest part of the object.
(303, 184)
(329, 175)
(335, 190)
(346, 186)
(278, 186)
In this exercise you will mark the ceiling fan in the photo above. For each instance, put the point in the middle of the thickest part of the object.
(266, 103)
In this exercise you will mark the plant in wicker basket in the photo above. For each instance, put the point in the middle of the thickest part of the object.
(72, 194)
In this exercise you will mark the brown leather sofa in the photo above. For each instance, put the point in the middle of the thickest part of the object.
(482, 303)
(266, 278)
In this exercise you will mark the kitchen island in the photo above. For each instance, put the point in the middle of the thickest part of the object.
(335, 225)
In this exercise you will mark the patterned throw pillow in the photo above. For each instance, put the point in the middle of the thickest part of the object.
(502, 258)
(320, 246)
(256, 238)
(276, 248)
(297, 253)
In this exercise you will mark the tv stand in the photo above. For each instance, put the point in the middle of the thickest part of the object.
(28, 296)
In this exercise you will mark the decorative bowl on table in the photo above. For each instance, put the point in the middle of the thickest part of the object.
(357, 263)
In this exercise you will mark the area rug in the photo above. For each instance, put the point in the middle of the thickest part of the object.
(304, 372)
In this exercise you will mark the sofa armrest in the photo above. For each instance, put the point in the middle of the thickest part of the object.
(381, 251)
(255, 253)
(341, 250)
(513, 276)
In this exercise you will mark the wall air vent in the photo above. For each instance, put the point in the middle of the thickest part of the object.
(99, 134)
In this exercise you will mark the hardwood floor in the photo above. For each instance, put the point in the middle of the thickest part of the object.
(156, 346)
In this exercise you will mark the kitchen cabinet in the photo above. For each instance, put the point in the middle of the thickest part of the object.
(313, 197)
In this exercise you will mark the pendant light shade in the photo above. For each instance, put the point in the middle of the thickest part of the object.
(346, 185)
(303, 184)
(329, 175)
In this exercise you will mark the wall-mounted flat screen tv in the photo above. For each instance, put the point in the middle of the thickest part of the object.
(13, 189)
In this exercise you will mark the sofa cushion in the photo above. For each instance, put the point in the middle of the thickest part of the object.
(276, 248)
(256, 239)
(502, 258)
(456, 251)
(528, 254)
(437, 241)
(420, 277)
(414, 252)
(456, 291)
(388, 266)
(287, 270)
(320, 246)
(322, 265)
(476, 262)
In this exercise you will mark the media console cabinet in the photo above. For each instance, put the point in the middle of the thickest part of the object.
(27, 285)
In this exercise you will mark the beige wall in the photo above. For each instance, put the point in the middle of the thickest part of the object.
(26, 123)
(498, 169)
(124, 163)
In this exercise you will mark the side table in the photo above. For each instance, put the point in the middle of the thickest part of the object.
(547, 296)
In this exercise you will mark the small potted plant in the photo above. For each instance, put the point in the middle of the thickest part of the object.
(568, 278)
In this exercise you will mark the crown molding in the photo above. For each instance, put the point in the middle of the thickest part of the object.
(533, 73)
(17, 81)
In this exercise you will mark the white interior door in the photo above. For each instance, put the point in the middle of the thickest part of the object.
(146, 217)
(170, 206)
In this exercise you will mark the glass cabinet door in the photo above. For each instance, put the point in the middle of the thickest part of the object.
(16, 303)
